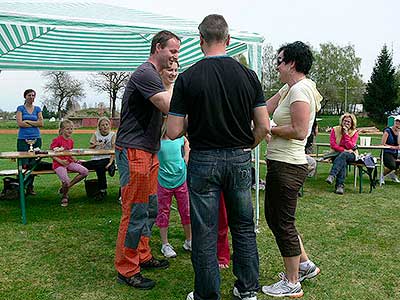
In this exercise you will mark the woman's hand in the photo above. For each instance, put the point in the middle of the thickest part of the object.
(268, 138)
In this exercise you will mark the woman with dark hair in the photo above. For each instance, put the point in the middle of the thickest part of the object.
(343, 140)
(293, 108)
(29, 119)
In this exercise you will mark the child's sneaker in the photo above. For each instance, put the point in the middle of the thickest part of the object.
(168, 251)
(283, 288)
(310, 272)
(111, 170)
(187, 245)
(393, 177)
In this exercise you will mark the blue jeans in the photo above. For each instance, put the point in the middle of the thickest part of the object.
(209, 173)
(339, 166)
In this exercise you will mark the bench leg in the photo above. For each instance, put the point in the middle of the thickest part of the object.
(355, 178)
(22, 191)
(360, 171)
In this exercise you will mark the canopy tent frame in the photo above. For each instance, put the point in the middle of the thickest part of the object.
(98, 37)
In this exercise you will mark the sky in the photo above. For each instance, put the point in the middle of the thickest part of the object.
(366, 24)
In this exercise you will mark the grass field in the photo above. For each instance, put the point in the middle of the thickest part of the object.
(67, 253)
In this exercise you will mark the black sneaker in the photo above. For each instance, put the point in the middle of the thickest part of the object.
(111, 170)
(136, 281)
(101, 195)
(154, 263)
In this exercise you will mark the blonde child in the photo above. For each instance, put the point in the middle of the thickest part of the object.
(173, 157)
(63, 164)
(103, 138)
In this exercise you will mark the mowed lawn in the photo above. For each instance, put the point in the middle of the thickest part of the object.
(68, 253)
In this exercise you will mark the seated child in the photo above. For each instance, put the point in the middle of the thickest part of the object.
(63, 164)
(103, 138)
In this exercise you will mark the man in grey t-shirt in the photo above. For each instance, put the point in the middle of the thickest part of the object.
(137, 143)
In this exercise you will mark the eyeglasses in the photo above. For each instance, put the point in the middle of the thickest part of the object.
(279, 60)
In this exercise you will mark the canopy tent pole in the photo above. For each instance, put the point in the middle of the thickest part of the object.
(255, 63)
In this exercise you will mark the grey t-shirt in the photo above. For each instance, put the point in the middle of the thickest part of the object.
(140, 126)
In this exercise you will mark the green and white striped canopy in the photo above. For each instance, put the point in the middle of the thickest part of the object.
(97, 37)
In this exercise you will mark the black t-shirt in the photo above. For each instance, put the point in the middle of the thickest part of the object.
(218, 94)
(140, 126)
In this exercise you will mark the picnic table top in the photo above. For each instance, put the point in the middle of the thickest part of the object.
(51, 153)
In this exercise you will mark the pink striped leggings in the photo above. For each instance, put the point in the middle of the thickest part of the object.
(62, 172)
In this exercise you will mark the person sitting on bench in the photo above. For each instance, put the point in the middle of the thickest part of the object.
(343, 140)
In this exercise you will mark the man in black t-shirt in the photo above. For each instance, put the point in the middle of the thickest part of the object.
(137, 144)
(220, 98)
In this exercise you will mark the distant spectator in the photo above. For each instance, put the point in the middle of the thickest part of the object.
(343, 140)
(391, 138)
(312, 163)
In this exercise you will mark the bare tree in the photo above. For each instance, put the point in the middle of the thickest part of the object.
(270, 77)
(62, 87)
(112, 83)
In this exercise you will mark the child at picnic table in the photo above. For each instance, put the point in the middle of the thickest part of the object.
(63, 164)
(102, 139)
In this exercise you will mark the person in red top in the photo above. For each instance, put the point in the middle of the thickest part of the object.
(343, 139)
(63, 164)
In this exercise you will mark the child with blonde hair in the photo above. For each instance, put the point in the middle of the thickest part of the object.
(104, 139)
(173, 157)
(63, 164)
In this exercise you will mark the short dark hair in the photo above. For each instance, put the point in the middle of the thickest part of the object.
(214, 29)
(300, 54)
(162, 38)
(29, 91)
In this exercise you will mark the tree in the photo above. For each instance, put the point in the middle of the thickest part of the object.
(45, 112)
(336, 70)
(62, 87)
(270, 77)
(381, 92)
(112, 83)
(68, 106)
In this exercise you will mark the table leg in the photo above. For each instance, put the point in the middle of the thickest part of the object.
(21, 190)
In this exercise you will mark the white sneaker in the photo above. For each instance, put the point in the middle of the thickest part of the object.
(245, 296)
(283, 288)
(382, 180)
(310, 272)
(168, 251)
(393, 176)
(187, 245)
(190, 296)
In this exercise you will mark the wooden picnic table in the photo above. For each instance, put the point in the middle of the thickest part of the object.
(23, 174)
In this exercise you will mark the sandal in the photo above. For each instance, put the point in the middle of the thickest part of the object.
(64, 202)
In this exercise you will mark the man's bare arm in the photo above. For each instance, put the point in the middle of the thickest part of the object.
(176, 126)
(161, 101)
(261, 124)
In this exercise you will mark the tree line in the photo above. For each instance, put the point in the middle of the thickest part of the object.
(336, 70)
(63, 91)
